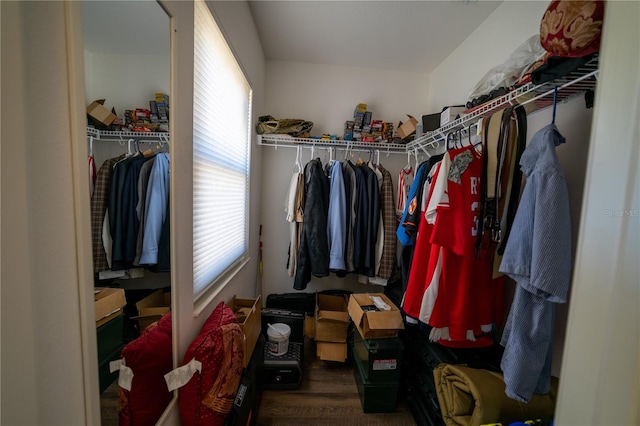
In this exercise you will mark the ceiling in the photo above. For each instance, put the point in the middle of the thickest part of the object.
(413, 36)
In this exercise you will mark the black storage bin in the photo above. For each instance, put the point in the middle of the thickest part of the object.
(381, 359)
(380, 397)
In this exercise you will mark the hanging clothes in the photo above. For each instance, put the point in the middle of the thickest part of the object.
(143, 183)
(405, 180)
(538, 257)
(448, 287)
(156, 209)
(336, 219)
(389, 222)
(99, 200)
(313, 253)
(294, 215)
(349, 175)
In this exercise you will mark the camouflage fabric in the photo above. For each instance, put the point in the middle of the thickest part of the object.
(289, 126)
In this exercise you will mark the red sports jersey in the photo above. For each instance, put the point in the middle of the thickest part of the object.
(417, 282)
(465, 306)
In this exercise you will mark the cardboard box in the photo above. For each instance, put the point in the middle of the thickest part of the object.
(310, 327)
(332, 318)
(99, 113)
(450, 114)
(372, 322)
(407, 128)
(248, 313)
(152, 308)
(331, 351)
(108, 304)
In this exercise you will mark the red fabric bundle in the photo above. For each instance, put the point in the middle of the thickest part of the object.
(149, 357)
(207, 398)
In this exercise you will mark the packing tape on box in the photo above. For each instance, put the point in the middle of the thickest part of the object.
(125, 376)
(180, 376)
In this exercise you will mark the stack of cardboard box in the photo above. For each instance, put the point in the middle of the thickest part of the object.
(331, 327)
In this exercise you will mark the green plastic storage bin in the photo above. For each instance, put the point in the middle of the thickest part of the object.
(375, 397)
(110, 336)
(380, 358)
(104, 375)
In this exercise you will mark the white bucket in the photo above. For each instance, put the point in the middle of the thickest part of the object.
(278, 335)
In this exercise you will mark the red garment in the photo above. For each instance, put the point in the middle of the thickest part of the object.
(419, 276)
(208, 397)
(467, 299)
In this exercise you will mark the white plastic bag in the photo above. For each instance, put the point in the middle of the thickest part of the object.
(506, 74)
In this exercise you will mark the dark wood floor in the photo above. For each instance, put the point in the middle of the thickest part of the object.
(327, 396)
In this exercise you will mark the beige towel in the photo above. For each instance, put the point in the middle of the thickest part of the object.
(472, 397)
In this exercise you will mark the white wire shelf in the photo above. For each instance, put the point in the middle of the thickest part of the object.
(536, 96)
(125, 135)
(285, 141)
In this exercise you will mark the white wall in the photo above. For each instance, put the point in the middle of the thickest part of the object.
(42, 356)
(127, 80)
(326, 95)
(600, 381)
(489, 45)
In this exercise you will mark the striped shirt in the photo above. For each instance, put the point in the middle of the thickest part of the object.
(538, 258)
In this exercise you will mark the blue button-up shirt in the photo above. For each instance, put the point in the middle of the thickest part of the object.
(538, 258)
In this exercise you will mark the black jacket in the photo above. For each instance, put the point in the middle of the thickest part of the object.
(313, 252)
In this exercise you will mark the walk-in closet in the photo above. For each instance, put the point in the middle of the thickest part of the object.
(279, 213)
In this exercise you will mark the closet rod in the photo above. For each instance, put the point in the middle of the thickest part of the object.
(279, 141)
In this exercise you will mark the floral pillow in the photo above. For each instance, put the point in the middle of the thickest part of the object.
(572, 28)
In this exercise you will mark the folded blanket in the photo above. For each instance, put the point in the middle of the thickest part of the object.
(470, 396)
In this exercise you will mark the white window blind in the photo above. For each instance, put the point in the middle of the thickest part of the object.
(221, 134)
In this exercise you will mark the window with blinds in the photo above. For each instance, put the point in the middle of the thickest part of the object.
(221, 135)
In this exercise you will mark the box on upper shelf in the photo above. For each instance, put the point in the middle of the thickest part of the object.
(451, 113)
(97, 111)
(407, 128)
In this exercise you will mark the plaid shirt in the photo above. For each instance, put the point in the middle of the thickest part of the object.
(98, 209)
(388, 206)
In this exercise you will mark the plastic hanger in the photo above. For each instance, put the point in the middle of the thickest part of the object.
(555, 103)
(90, 146)
(298, 165)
